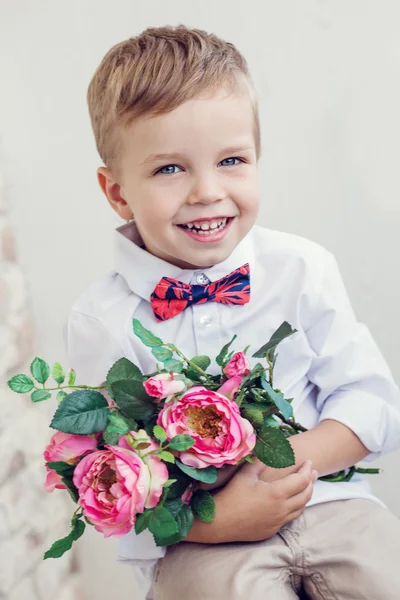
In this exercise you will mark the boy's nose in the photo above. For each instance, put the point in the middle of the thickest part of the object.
(206, 191)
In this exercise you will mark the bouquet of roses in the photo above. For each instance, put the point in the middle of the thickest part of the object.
(134, 454)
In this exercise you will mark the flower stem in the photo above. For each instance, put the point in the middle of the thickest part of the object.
(189, 362)
(72, 387)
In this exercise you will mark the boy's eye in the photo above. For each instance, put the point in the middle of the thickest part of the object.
(167, 170)
(229, 161)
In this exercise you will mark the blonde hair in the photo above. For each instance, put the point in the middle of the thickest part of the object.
(154, 73)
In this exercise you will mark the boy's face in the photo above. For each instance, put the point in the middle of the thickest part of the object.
(189, 177)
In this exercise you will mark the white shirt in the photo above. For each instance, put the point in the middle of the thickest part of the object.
(331, 367)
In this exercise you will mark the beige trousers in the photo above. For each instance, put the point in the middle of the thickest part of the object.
(341, 550)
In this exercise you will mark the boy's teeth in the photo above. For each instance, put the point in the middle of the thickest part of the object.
(207, 226)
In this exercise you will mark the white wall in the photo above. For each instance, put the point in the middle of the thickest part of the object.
(328, 75)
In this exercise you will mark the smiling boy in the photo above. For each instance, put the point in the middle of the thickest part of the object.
(176, 123)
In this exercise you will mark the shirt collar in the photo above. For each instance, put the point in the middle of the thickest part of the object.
(142, 270)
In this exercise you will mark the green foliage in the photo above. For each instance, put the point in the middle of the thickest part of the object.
(201, 361)
(182, 442)
(40, 395)
(146, 336)
(166, 456)
(255, 417)
(273, 449)
(162, 525)
(123, 369)
(159, 433)
(61, 546)
(161, 354)
(60, 396)
(21, 384)
(207, 475)
(203, 506)
(268, 350)
(142, 521)
(71, 378)
(221, 359)
(40, 370)
(58, 373)
(132, 399)
(278, 399)
(82, 412)
(173, 365)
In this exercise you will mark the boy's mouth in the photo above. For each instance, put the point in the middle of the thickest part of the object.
(207, 230)
(206, 227)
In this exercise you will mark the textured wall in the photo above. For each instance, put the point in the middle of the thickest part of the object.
(30, 520)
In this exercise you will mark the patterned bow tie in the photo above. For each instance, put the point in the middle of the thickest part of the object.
(171, 296)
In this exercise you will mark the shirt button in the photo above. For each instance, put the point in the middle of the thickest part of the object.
(201, 278)
(205, 320)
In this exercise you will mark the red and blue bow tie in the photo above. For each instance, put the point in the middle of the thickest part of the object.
(171, 296)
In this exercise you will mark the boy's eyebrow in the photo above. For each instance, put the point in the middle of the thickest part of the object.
(176, 155)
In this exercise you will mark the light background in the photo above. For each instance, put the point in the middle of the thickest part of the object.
(328, 77)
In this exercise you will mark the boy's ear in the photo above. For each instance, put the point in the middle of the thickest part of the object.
(112, 191)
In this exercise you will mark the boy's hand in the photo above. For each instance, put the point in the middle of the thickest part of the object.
(249, 509)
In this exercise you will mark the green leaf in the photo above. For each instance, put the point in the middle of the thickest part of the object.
(61, 546)
(132, 399)
(255, 417)
(220, 360)
(142, 521)
(118, 422)
(283, 332)
(194, 375)
(61, 468)
(111, 437)
(40, 395)
(71, 378)
(173, 365)
(58, 373)
(270, 421)
(161, 354)
(122, 369)
(71, 489)
(201, 361)
(278, 399)
(21, 384)
(83, 412)
(166, 456)
(273, 449)
(148, 338)
(182, 442)
(40, 370)
(170, 482)
(203, 506)
(184, 518)
(159, 433)
(249, 459)
(162, 523)
(207, 475)
(60, 396)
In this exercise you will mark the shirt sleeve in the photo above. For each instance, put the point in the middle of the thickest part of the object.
(355, 385)
(91, 349)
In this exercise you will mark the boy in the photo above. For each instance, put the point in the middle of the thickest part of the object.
(175, 120)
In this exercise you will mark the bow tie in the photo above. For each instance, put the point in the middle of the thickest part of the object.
(171, 297)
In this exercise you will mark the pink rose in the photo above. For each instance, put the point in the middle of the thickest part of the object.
(53, 481)
(231, 387)
(158, 469)
(223, 436)
(163, 385)
(237, 365)
(67, 448)
(114, 485)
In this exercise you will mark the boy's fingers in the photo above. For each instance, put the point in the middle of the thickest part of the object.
(294, 515)
(299, 501)
(294, 484)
